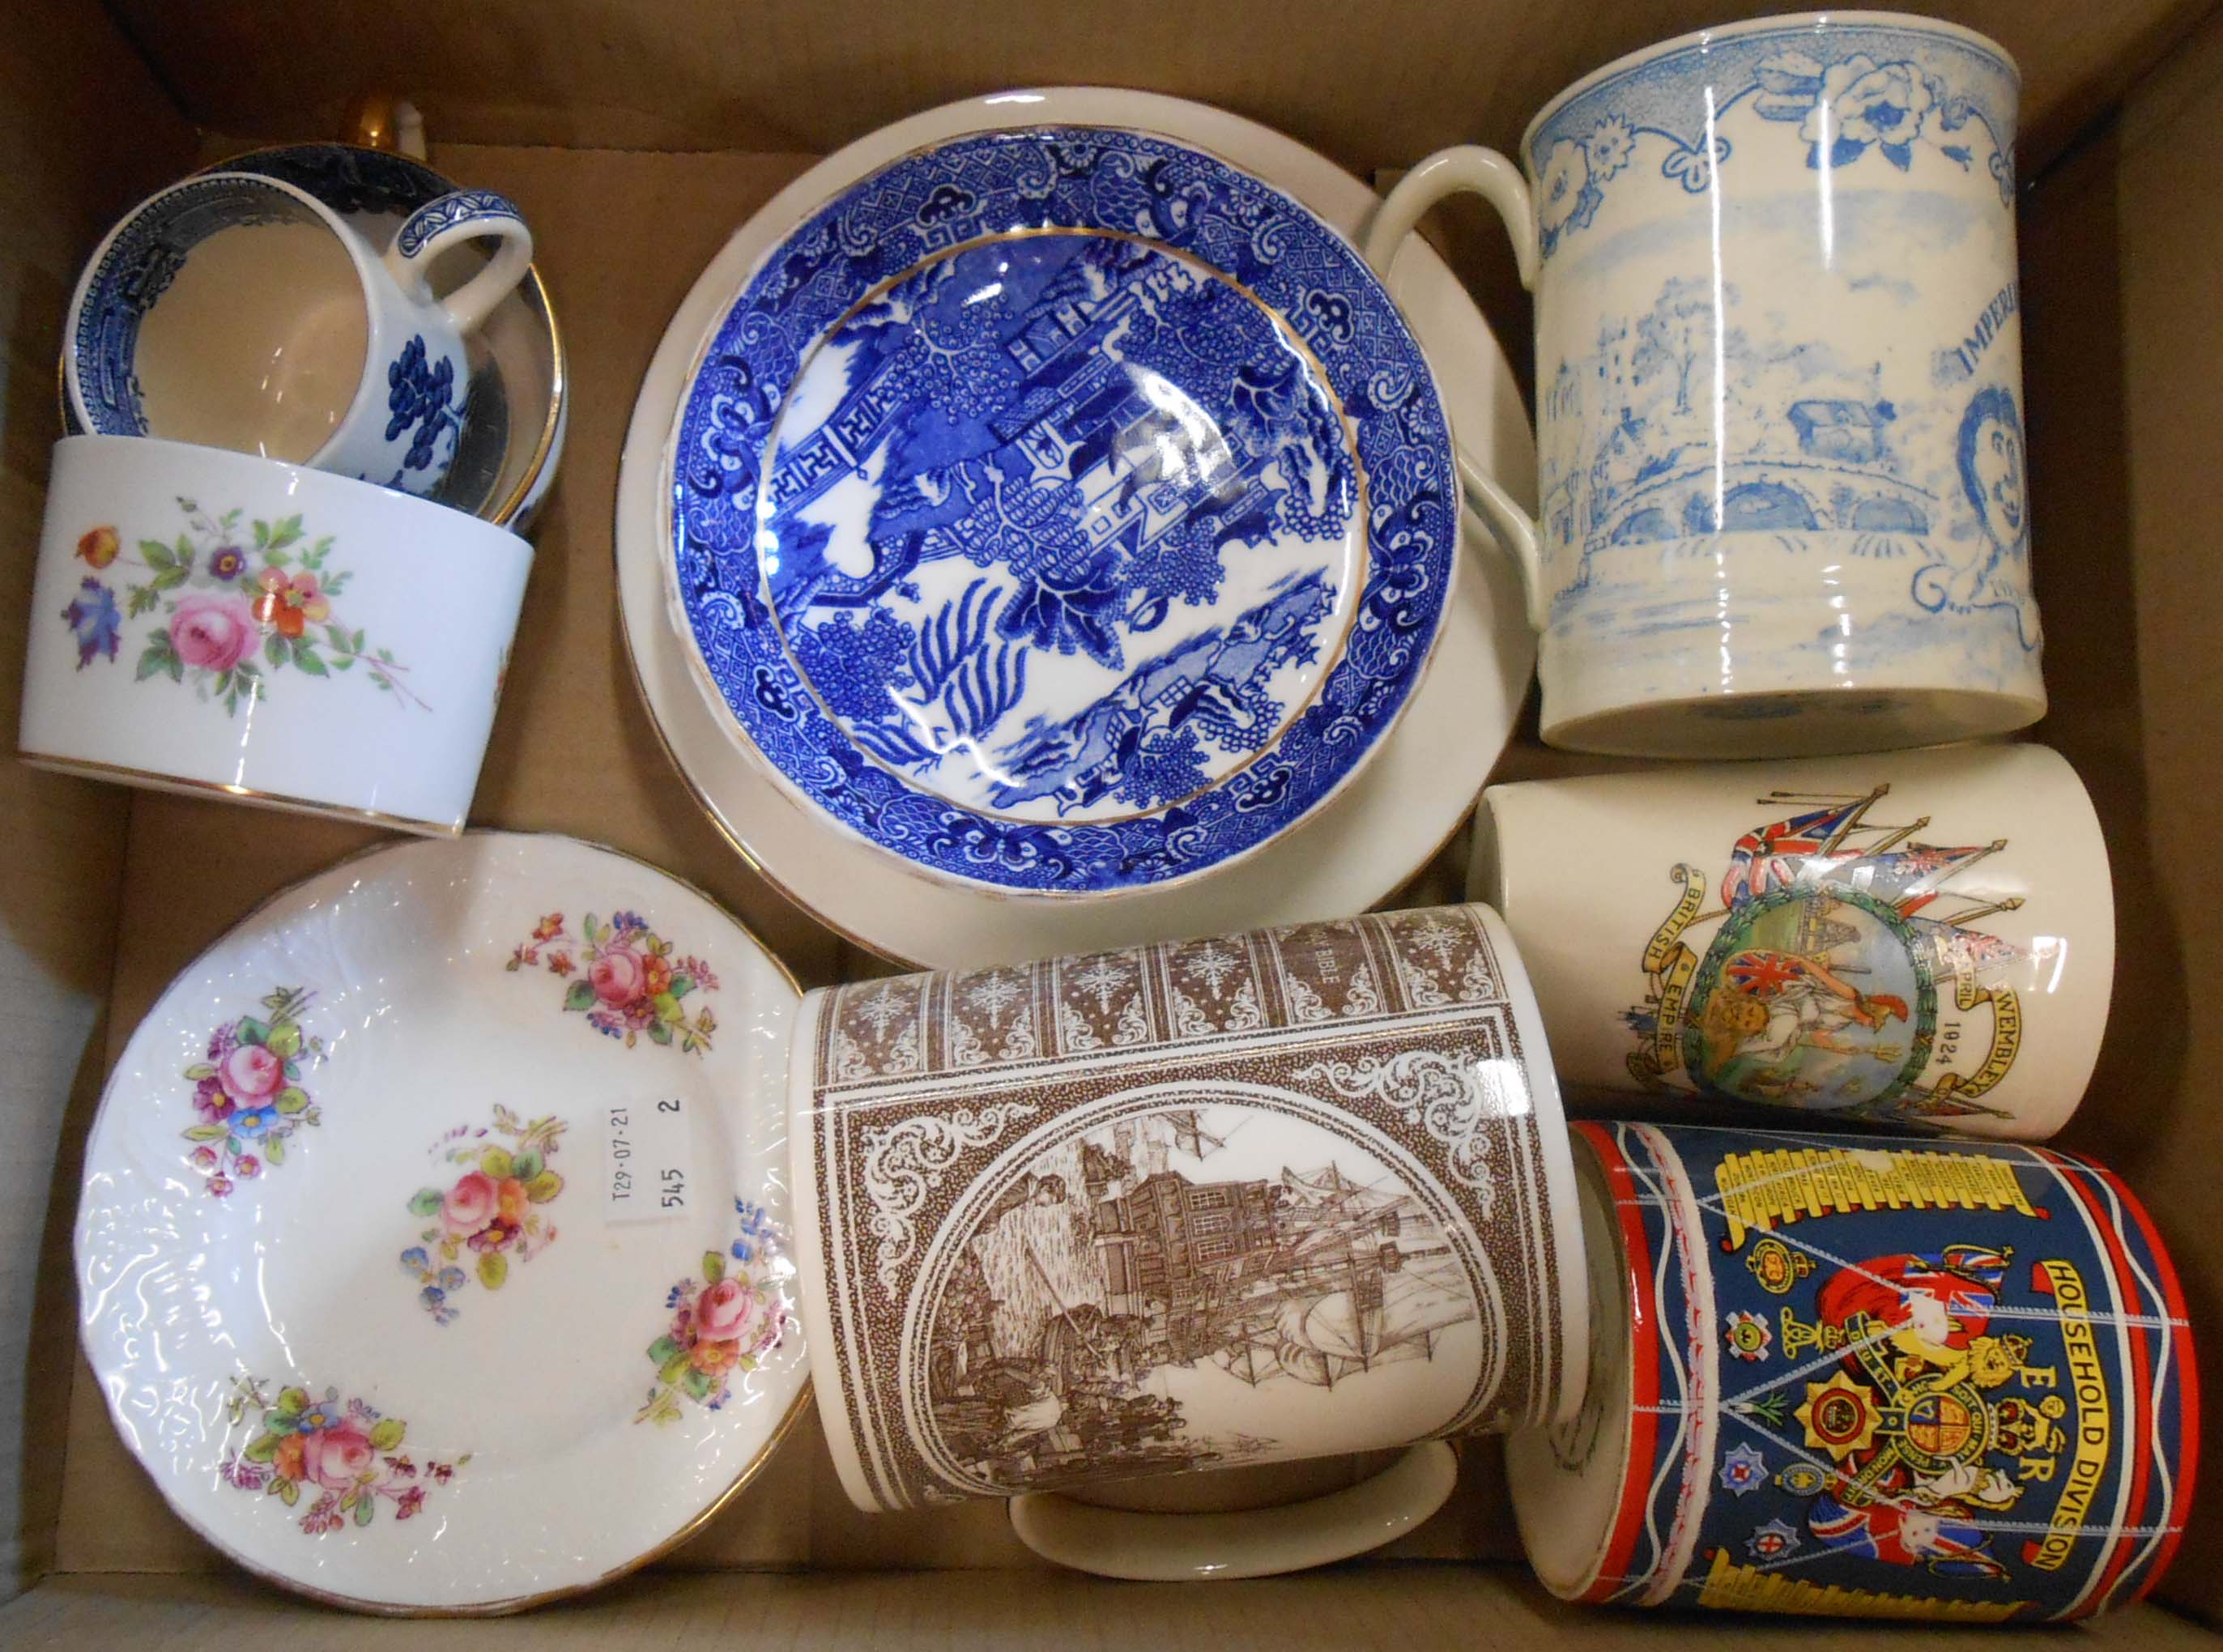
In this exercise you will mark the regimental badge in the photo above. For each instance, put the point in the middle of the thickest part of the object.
(1832, 969)
(1746, 1334)
(1742, 1470)
(1771, 1541)
(1802, 1479)
(1776, 1266)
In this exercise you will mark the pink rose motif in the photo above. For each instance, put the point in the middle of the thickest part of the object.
(247, 1167)
(733, 1310)
(619, 976)
(337, 1458)
(251, 1072)
(470, 1203)
(212, 631)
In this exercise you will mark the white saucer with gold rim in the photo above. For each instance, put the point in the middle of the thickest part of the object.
(432, 1249)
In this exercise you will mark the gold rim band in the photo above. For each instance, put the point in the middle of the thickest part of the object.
(91, 769)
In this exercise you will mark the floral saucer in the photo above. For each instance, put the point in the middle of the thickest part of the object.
(1063, 510)
(1369, 840)
(432, 1251)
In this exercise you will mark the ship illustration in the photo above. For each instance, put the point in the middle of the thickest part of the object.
(1116, 1272)
(1371, 1283)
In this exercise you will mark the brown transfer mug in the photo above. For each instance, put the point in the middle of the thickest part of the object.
(1289, 1193)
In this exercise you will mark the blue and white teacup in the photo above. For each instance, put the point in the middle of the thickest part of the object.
(237, 310)
(1779, 390)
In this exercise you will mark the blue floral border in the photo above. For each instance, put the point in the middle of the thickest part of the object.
(463, 206)
(1660, 96)
(135, 268)
(1079, 177)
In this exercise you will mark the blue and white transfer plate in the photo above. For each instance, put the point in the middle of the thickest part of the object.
(1062, 510)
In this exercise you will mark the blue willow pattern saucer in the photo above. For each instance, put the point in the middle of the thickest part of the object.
(1063, 510)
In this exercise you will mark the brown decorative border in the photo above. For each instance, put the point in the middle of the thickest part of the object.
(1397, 1031)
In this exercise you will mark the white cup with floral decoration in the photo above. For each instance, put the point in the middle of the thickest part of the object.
(213, 623)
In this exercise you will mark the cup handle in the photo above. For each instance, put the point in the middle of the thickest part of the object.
(1470, 169)
(1254, 1543)
(439, 225)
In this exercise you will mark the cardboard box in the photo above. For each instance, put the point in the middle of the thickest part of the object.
(638, 134)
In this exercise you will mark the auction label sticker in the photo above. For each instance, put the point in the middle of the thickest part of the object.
(648, 1160)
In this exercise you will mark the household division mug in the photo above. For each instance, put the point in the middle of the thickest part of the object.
(1293, 1193)
(1854, 1377)
(1779, 390)
(1920, 938)
(238, 311)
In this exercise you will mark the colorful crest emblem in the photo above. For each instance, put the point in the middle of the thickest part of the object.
(1802, 1479)
(1831, 968)
(1746, 1334)
(1929, 1427)
(1771, 1541)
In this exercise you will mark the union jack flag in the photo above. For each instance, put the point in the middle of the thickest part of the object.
(1910, 877)
(1955, 951)
(1963, 1279)
(1763, 974)
(1951, 1546)
(1772, 857)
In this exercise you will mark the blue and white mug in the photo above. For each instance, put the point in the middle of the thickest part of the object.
(238, 311)
(1779, 390)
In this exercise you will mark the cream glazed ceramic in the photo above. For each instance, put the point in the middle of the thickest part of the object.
(1239, 1201)
(1221, 1545)
(433, 1252)
(1923, 938)
(1778, 387)
(209, 621)
(1385, 823)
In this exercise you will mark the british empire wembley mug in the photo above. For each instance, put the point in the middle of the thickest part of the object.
(1919, 938)
(1779, 391)
(1294, 1192)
